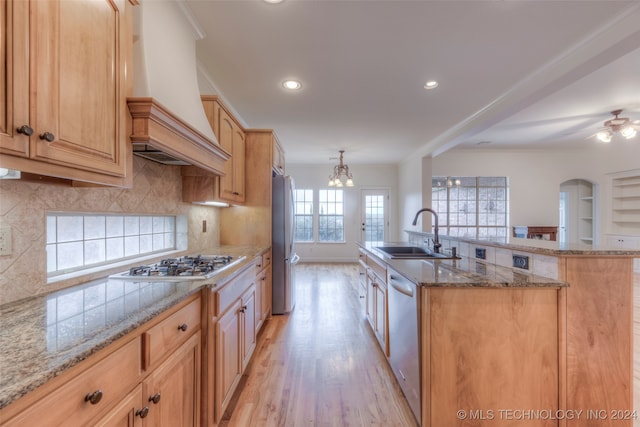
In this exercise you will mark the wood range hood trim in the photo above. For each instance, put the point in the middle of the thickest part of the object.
(153, 124)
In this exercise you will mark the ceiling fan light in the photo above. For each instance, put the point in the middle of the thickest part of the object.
(628, 132)
(604, 136)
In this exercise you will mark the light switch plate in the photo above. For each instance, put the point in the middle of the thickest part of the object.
(5, 240)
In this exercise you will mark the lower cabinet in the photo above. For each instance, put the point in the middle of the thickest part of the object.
(233, 313)
(263, 289)
(150, 377)
(377, 308)
(126, 413)
(172, 390)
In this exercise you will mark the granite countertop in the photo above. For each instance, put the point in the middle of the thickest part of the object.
(463, 272)
(44, 335)
(543, 247)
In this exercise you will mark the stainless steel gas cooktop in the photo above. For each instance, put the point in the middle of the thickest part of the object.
(188, 267)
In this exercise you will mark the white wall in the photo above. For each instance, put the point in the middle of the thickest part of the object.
(535, 176)
(410, 192)
(365, 177)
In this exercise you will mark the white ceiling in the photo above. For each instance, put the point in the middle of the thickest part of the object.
(515, 73)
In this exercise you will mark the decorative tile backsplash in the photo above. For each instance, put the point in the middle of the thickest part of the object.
(157, 190)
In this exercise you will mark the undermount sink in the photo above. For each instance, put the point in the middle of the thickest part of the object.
(412, 252)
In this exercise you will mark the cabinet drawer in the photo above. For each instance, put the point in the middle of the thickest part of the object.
(169, 334)
(266, 259)
(379, 268)
(234, 289)
(108, 381)
(263, 261)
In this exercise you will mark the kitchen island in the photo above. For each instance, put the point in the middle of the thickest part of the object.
(506, 346)
(489, 338)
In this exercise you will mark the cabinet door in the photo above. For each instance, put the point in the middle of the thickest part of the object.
(248, 326)
(128, 413)
(172, 391)
(227, 357)
(238, 161)
(232, 139)
(381, 316)
(265, 284)
(371, 301)
(14, 76)
(78, 99)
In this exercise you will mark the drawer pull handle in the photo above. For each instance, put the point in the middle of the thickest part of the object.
(48, 136)
(94, 398)
(183, 327)
(25, 130)
(142, 413)
(155, 398)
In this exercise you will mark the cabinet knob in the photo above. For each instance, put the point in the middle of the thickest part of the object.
(155, 398)
(142, 413)
(25, 130)
(48, 136)
(94, 398)
(183, 327)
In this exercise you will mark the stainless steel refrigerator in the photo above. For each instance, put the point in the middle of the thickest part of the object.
(283, 246)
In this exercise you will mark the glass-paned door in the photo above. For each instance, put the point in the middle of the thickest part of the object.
(375, 221)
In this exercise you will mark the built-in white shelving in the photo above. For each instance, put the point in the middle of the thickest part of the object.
(585, 212)
(625, 204)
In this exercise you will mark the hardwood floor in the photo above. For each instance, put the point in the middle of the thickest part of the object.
(320, 365)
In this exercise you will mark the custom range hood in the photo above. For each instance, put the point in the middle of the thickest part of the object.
(168, 121)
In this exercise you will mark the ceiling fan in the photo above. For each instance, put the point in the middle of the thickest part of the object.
(623, 125)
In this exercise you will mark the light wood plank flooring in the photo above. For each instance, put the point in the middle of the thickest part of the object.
(320, 365)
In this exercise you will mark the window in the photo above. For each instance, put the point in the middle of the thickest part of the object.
(303, 216)
(330, 216)
(78, 241)
(475, 207)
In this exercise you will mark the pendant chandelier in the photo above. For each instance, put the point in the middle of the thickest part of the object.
(340, 173)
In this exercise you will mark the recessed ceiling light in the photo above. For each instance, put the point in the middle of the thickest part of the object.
(273, 1)
(292, 84)
(431, 84)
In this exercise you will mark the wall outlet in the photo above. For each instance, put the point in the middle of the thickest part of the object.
(5, 240)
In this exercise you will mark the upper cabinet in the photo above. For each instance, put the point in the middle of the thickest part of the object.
(231, 137)
(199, 185)
(71, 121)
(278, 157)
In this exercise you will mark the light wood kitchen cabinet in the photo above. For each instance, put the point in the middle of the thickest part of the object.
(172, 391)
(113, 388)
(362, 280)
(376, 298)
(231, 340)
(231, 186)
(252, 226)
(263, 289)
(92, 387)
(61, 58)
(278, 157)
(127, 412)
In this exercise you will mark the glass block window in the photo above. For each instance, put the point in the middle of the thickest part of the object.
(474, 207)
(79, 241)
(330, 216)
(303, 216)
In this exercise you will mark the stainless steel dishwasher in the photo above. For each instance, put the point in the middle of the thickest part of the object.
(403, 337)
